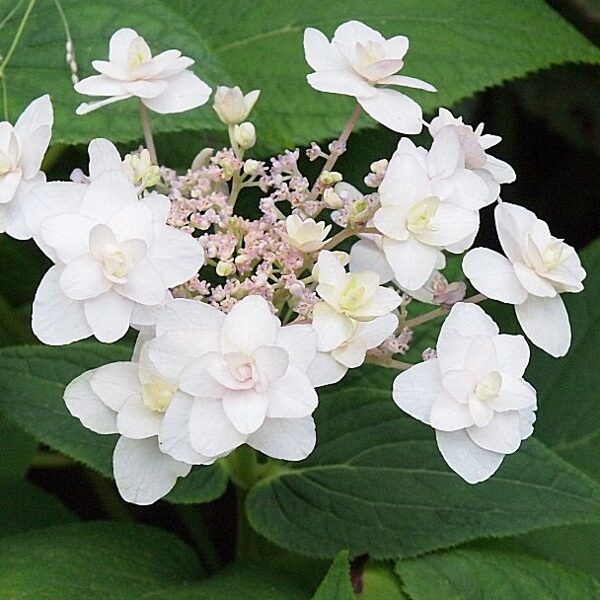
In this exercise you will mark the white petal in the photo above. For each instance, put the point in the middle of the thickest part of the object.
(526, 421)
(145, 88)
(383, 301)
(501, 171)
(67, 235)
(293, 396)
(319, 53)
(248, 325)
(394, 110)
(108, 194)
(84, 278)
(412, 262)
(211, 432)
(329, 270)
(416, 389)
(465, 457)
(470, 320)
(285, 439)
(470, 190)
(512, 225)
(445, 154)
(345, 82)
(271, 363)
(452, 349)
(176, 255)
(481, 358)
(246, 409)
(13, 215)
(184, 92)
(100, 85)
(115, 383)
(512, 354)
(405, 181)
(501, 434)
(135, 420)
(171, 352)
(144, 474)
(56, 319)
(493, 275)
(174, 436)
(144, 285)
(390, 220)
(87, 107)
(450, 225)
(203, 377)
(300, 342)
(366, 254)
(449, 415)
(103, 156)
(515, 394)
(410, 82)
(189, 314)
(84, 404)
(332, 328)
(108, 316)
(34, 129)
(118, 46)
(325, 370)
(532, 282)
(545, 322)
(459, 383)
(9, 185)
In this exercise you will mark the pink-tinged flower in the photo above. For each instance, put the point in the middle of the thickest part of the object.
(22, 149)
(473, 393)
(474, 144)
(538, 269)
(134, 399)
(428, 204)
(163, 83)
(115, 259)
(357, 62)
(247, 378)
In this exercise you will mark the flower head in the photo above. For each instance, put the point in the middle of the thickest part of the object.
(538, 269)
(232, 106)
(355, 63)
(163, 82)
(473, 394)
(22, 149)
(305, 235)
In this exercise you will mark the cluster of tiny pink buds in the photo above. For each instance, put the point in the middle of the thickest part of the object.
(428, 354)
(378, 170)
(444, 293)
(398, 343)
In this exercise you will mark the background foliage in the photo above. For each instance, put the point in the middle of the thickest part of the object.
(375, 497)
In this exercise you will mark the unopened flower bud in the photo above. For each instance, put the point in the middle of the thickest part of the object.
(380, 166)
(231, 106)
(202, 159)
(305, 235)
(140, 170)
(225, 269)
(251, 167)
(227, 169)
(244, 135)
(330, 177)
(332, 199)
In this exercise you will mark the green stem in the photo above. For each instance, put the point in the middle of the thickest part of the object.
(13, 325)
(243, 467)
(17, 37)
(147, 128)
(248, 544)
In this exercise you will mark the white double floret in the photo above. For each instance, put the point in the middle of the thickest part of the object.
(538, 269)
(473, 394)
(163, 83)
(359, 60)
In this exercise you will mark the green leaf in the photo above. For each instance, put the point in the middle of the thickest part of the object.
(250, 581)
(32, 382)
(460, 47)
(24, 506)
(18, 449)
(98, 560)
(487, 575)
(376, 483)
(336, 585)
(379, 582)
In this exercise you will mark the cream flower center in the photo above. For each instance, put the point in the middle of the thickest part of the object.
(158, 393)
(116, 263)
(420, 215)
(552, 255)
(138, 53)
(241, 367)
(489, 386)
(352, 295)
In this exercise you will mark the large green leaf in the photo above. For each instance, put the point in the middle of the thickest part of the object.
(32, 382)
(18, 449)
(377, 484)
(99, 560)
(460, 47)
(488, 575)
(250, 581)
(336, 585)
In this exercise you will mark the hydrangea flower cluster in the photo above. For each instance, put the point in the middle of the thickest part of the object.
(243, 311)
